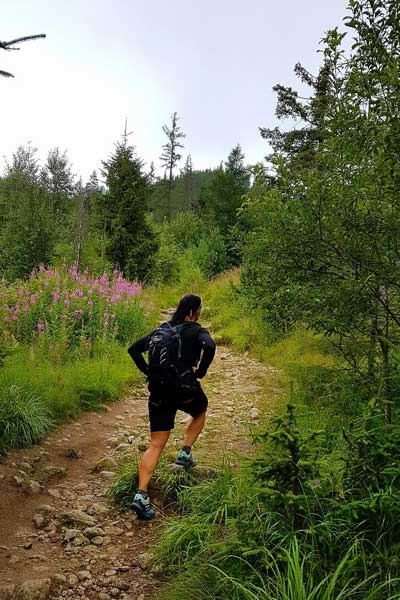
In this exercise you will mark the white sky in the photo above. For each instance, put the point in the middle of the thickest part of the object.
(212, 61)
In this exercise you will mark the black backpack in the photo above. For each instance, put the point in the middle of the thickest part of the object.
(165, 359)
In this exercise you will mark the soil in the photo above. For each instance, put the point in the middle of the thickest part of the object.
(72, 471)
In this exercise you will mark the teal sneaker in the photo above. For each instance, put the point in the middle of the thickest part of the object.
(141, 506)
(185, 460)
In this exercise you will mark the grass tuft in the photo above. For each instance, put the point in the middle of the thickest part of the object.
(24, 419)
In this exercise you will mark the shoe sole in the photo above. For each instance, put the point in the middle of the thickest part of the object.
(141, 513)
(185, 465)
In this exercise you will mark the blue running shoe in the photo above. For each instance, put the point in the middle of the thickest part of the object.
(141, 506)
(185, 460)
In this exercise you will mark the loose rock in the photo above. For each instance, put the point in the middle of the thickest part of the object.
(77, 517)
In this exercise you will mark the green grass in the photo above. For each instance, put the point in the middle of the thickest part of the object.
(24, 418)
(57, 391)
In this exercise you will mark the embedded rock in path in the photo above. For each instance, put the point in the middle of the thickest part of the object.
(35, 487)
(39, 521)
(71, 534)
(77, 517)
(93, 532)
(105, 463)
(254, 413)
(107, 474)
(35, 589)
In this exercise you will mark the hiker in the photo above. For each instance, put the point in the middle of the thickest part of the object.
(180, 353)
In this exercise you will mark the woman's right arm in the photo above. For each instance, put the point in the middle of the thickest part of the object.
(136, 352)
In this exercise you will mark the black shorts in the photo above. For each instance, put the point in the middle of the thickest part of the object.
(164, 404)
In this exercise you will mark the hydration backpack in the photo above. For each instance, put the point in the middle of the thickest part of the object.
(165, 359)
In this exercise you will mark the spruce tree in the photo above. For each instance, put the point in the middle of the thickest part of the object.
(188, 176)
(224, 193)
(132, 244)
(26, 227)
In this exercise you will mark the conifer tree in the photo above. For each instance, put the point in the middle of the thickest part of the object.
(27, 231)
(188, 175)
(132, 244)
(170, 155)
(58, 178)
(224, 193)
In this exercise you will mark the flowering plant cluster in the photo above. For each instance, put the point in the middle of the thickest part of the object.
(74, 307)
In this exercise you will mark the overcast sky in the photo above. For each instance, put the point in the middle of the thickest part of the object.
(212, 61)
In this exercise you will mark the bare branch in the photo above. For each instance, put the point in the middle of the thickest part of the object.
(5, 74)
(7, 46)
(26, 38)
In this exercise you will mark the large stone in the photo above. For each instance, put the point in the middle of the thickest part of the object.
(92, 532)
(80, 540)
(71, 534)
(77, 517)
(35, 487)
(35, 589)
(98, 540)
(39, 521)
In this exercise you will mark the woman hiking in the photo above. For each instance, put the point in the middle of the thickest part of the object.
(180, 353)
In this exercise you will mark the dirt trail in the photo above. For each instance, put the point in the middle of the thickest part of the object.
(45, 552)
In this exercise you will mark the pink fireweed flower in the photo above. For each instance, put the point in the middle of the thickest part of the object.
(104, 279)
(15, 318)
(66, 302)
(90, 291)
(6, 318)
(40, 326)
(56, 296)
(90, 303)
(77, 313)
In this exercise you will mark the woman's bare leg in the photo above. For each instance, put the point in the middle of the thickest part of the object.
(151, 457)
(193, 429)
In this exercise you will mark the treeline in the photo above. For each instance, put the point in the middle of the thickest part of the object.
(126, 218)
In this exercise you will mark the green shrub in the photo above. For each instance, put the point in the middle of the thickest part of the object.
(24, 419)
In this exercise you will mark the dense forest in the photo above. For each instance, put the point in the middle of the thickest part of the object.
(297, 256)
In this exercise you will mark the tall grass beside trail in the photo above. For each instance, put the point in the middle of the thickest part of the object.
(64, 345)
(281, 527)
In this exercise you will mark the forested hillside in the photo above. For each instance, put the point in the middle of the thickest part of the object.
(297, 260)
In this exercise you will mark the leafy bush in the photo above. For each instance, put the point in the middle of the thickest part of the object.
(24, 419)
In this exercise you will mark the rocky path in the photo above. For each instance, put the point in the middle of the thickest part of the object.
(61, 536)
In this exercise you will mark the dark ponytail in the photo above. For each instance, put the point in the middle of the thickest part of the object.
(187, 306)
